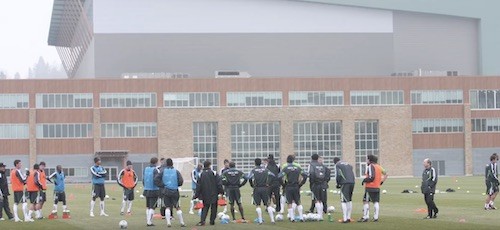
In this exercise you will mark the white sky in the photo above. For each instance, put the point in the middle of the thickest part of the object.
(24, 29)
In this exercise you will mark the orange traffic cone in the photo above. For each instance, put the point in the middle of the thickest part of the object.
(66, 215)
(221, 202)
(198, 205)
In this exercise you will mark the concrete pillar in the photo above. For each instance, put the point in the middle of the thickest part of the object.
(32, 136)
(468, 140)
(348, 142)
(286, 142)
(97, 129)
(223, 143)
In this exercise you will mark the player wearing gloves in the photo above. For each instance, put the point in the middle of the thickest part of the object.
(293, 177)
(345, 182)
(169, 180)
(58, 178)
(98, 190)
(233, 179)
(260, 179)
(127, 179)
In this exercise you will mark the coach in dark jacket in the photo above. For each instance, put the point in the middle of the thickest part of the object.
(428, 187)
(207, 189)
(4, 193)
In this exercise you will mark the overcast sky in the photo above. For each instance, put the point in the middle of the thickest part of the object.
(24, 28)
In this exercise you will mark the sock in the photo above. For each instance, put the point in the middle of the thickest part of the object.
(271, 213)
(92, 203)
(487, 205)
(179, 214)
(344, 210)
(377, 210)
(25, 209)
(129, 207)
(366, 211)
(101, 204)
(349, 209)
(14, 208)
(232, 212)
(30, 212)
(492, 203)
(290, 214)
(55, 208)
(37, 214)
(124, 203)
(259, 213)
(147, 217)
(225, 209)
(191, 206)
(65, 208)
(167, 216)
(283, 204)
(294, 208)
(300, 209)
(320, 210)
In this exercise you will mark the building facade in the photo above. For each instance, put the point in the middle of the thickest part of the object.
(97, 39)
(453, 120)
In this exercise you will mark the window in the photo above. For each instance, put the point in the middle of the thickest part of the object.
(205, 142)
(250, 140)
(395, 97)
(485, 99)
(64, 101)
(194, 100)
(304, 98)
(423, 97)
(14, 131)
(321, 137)
(254, 99)
(70, 172)
(486, 125)
(66, 131)
(14, 101)
(128, 100)
(454, 125)
(365, 142)
(124, 130)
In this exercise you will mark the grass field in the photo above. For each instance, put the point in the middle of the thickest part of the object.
(458, 210)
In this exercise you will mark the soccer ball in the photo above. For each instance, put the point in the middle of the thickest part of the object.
(279, 217)
(123, 224)
(220, 215)
(384, 191)
(225, 218)
(330, 209)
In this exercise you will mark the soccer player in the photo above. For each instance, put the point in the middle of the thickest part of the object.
(43, 190)
(18, 180)
(233, 179)
(208, 188)
(58, 178)
(274, 186)
(160, 199)
(127, 179)
(4, 197)
(195, 174)
(375, 177)
(260, 178)
(98, 190)
(492, 182)
(428, 187)
(169, 180)
(33, 187)
(226, 167)
(345, 182)
(151, 191)
(293, 177)
(319, 176)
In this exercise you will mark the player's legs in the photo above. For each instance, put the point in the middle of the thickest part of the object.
(375, 198)
(366, 207)
(191, 206)
(237, 199)
(176, 197)
(257, 200)
(231, 195)
(18, 198)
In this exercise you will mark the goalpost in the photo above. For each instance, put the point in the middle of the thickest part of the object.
(185, 165)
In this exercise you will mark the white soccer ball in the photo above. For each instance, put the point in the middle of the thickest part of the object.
(141, 196)
(309, 216)
(123, 224)
(220, 215)
(384, 191)
(279, 217)
(330, 209)
(315, 217)
(225, 217)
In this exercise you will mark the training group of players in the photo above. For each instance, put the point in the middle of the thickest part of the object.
(162, 181)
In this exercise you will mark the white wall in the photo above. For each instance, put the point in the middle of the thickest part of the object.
(235, 16)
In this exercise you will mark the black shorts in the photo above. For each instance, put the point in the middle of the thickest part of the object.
(59, 196)
(34, 197)
(98, 190)
(234, 195)
(371, 195)
(346, 192)
(128, 194)
(292, 194)
(171, 198)
(42, 196)
(319, 192)
(491, 188)
(19, 197)
(261, 195)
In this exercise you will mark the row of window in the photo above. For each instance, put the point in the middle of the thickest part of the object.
(121, 130)
(438, 125)
(69, 172)
(479, 99)
(64, 131)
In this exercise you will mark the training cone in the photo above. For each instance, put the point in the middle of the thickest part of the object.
(198, 206)
(71, 197)
(221, 202)
(53, 216)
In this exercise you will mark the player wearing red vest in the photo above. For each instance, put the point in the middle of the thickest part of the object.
(128, 180)
(43, 190)
(33, 187)
(375, 177)
(18, 180)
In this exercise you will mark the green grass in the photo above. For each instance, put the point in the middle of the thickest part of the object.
(458, 210)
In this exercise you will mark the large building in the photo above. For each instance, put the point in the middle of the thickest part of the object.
(453, 120)
(274, 38)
